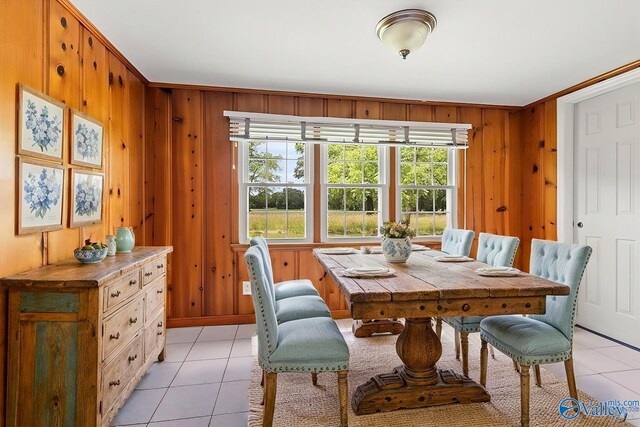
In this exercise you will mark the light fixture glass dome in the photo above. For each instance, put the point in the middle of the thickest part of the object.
(406, 30)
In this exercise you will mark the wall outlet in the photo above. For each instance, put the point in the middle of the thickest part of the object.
(246, 288)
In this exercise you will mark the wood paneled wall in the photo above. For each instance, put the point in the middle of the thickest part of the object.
(45, 46)
(207, 265)
(539, 174)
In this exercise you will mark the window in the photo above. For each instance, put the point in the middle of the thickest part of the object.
(426, 188)
(353, 191)
(275, 190)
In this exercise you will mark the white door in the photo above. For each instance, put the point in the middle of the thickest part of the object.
(607, 211)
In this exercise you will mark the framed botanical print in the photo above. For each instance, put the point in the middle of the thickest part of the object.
(40, 125)
(87, 194)
(86, 140)
(40, 193)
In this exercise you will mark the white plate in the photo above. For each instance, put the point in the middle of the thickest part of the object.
(451, 258)
(416, 247)
(338, 251)
(358, 272)
(498, 272)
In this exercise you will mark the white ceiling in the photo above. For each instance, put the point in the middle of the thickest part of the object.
(509, 52)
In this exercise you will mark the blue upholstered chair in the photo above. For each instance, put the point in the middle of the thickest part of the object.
(305, 345)
(288, 288)
(455, 242)
(497, 251)
(292, 307)
(545, 338)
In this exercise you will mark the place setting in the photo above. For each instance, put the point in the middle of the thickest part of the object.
(338, 251)
(365, 272)
(498, 272)
(453, 258)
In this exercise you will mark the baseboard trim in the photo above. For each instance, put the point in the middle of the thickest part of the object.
(609, 338)
(236, 319)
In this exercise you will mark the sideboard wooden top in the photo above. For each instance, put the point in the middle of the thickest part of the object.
(423, 278)
(73, 274)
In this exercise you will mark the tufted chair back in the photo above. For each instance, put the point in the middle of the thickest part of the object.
(498, 251)
(263, 303)
(562, 263)
(457, 241)
(261, 242)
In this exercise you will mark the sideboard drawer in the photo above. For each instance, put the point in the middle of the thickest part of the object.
(125, 322)
(155, 296)
(121, 290)
(154, 334)
(121, 370)
(153, 269)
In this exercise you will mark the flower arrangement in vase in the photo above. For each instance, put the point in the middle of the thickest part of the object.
(396, 240)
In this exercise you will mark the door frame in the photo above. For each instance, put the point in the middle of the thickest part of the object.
(565, 125)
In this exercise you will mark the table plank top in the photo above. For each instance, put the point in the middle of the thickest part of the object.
(424, 278)
(72, 273)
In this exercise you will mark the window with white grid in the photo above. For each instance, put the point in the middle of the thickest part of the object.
(426, 188)
(353, 191)
(275, 190)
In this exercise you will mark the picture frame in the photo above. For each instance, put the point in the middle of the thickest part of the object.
(86, 141)
(40, 193)
(41, 125)
(87, 198)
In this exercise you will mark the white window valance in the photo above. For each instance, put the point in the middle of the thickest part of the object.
(260, 127)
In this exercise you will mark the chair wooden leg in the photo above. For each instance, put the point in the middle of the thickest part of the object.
(343, 393)
(464, 346)
(456, 339)
(571, 379)
(270, 387)
(439, 327)
(264, 390)
(483, 363)
(524, 395)
(538, 378)
(314, 378)
(493, 355)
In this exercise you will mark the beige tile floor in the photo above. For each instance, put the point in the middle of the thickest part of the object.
(205, 376)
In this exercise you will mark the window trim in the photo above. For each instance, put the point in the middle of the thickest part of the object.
(383, 197)
(243, 195)
(452, 177)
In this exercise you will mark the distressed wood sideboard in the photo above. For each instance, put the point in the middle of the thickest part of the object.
(81, 336)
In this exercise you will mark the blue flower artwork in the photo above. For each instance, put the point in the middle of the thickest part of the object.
(41, 196)
(42, 191)
(41, 125)
(86, 141)
(45, 129)
(87, 198)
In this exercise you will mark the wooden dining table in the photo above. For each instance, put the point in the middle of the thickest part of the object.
(420, 289)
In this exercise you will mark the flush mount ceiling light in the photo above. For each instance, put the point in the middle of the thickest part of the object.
(406, 30)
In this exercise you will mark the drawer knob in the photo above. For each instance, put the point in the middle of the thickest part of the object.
(150, 273)
(114, 383)
(132, 358)
(114, 337)
(115, 294)
(159, 291)
(160, 333)
(160, 265)
(132, 282)
(159, 324)
(133, 320)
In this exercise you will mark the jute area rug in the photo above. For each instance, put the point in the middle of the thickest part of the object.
(299, 403)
